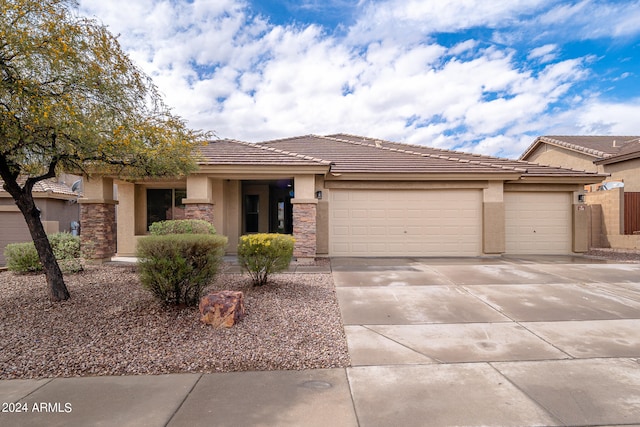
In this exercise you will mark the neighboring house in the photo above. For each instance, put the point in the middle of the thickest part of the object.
(615, 213)
(344, 195)
(618, 156)
(58, 207)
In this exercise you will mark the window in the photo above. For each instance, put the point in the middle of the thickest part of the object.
(251, 210)
(164, 204)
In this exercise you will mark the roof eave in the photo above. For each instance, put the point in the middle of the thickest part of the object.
(243, 171)
(554, 179)
(531, 149)
(382, 176)
(618, 159)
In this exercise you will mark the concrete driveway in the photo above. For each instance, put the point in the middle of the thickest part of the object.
(508, 341)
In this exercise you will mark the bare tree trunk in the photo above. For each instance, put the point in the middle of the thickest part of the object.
(24, 199)
(55, 281)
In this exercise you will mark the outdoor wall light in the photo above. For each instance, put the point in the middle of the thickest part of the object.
(319, 195)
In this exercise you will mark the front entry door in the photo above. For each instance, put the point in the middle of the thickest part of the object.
(280, 211)
(266, 207)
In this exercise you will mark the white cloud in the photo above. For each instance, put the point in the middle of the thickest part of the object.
(599, 117)
(228, 71)
(397, 19)
(544, 53)
(589, 19)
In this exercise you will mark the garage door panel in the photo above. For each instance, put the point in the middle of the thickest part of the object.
(405, 222)
(340, 196)
(396, 214)
(339, 213)
(359, 231)
(538, 223)
(395, 230)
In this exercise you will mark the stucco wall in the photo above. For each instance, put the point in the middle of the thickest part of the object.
(322, 218)
(493, 221)
(232, 214)
(555, 156)
(628, 171)
(607, 214)
(61, 211)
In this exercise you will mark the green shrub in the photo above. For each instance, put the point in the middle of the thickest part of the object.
(65, 245)
(66, 249)
(23, 257)
(265, 253)
(177, 267)
(181, 226)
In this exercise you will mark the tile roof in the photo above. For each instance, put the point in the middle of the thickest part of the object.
(46, 186)
(630, 150)
(350, 153)
(598, 146)
(362, 155)
(231, 152)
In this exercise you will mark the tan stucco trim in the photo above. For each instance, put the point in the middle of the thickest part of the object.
(300, 201)
(197, 201)
(126, 220)
(162, 184)
(580, 223)
(493, 228)
(105, 201)
(541, 187)
(322, 227)
(407, 185)
(9, 208)
(493, 219)
(304, 186)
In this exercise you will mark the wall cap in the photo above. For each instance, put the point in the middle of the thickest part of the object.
(304, 201)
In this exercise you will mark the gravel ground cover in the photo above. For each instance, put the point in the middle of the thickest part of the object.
(112, 326)
(628, 256)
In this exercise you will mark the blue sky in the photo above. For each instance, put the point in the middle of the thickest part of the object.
(476, 75)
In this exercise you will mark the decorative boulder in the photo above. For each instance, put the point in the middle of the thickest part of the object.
(222, 309)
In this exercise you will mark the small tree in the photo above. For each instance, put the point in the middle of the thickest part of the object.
(71, 99)
(265, 253)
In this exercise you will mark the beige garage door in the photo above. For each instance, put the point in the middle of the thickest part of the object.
(405, 222)
(538, 223)
(13, 229)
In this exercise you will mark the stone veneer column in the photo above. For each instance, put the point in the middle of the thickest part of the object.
(199, 211)
(98, 230)
(304, 229)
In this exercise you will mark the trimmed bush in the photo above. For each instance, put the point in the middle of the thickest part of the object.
(66, 249)
(23, 257)
(177, 267)
(265, 253)
(181, 226)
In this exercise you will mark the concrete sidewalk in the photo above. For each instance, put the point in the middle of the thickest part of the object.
(434, 342)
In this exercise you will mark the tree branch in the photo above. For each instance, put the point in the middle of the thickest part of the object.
(9, 176)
